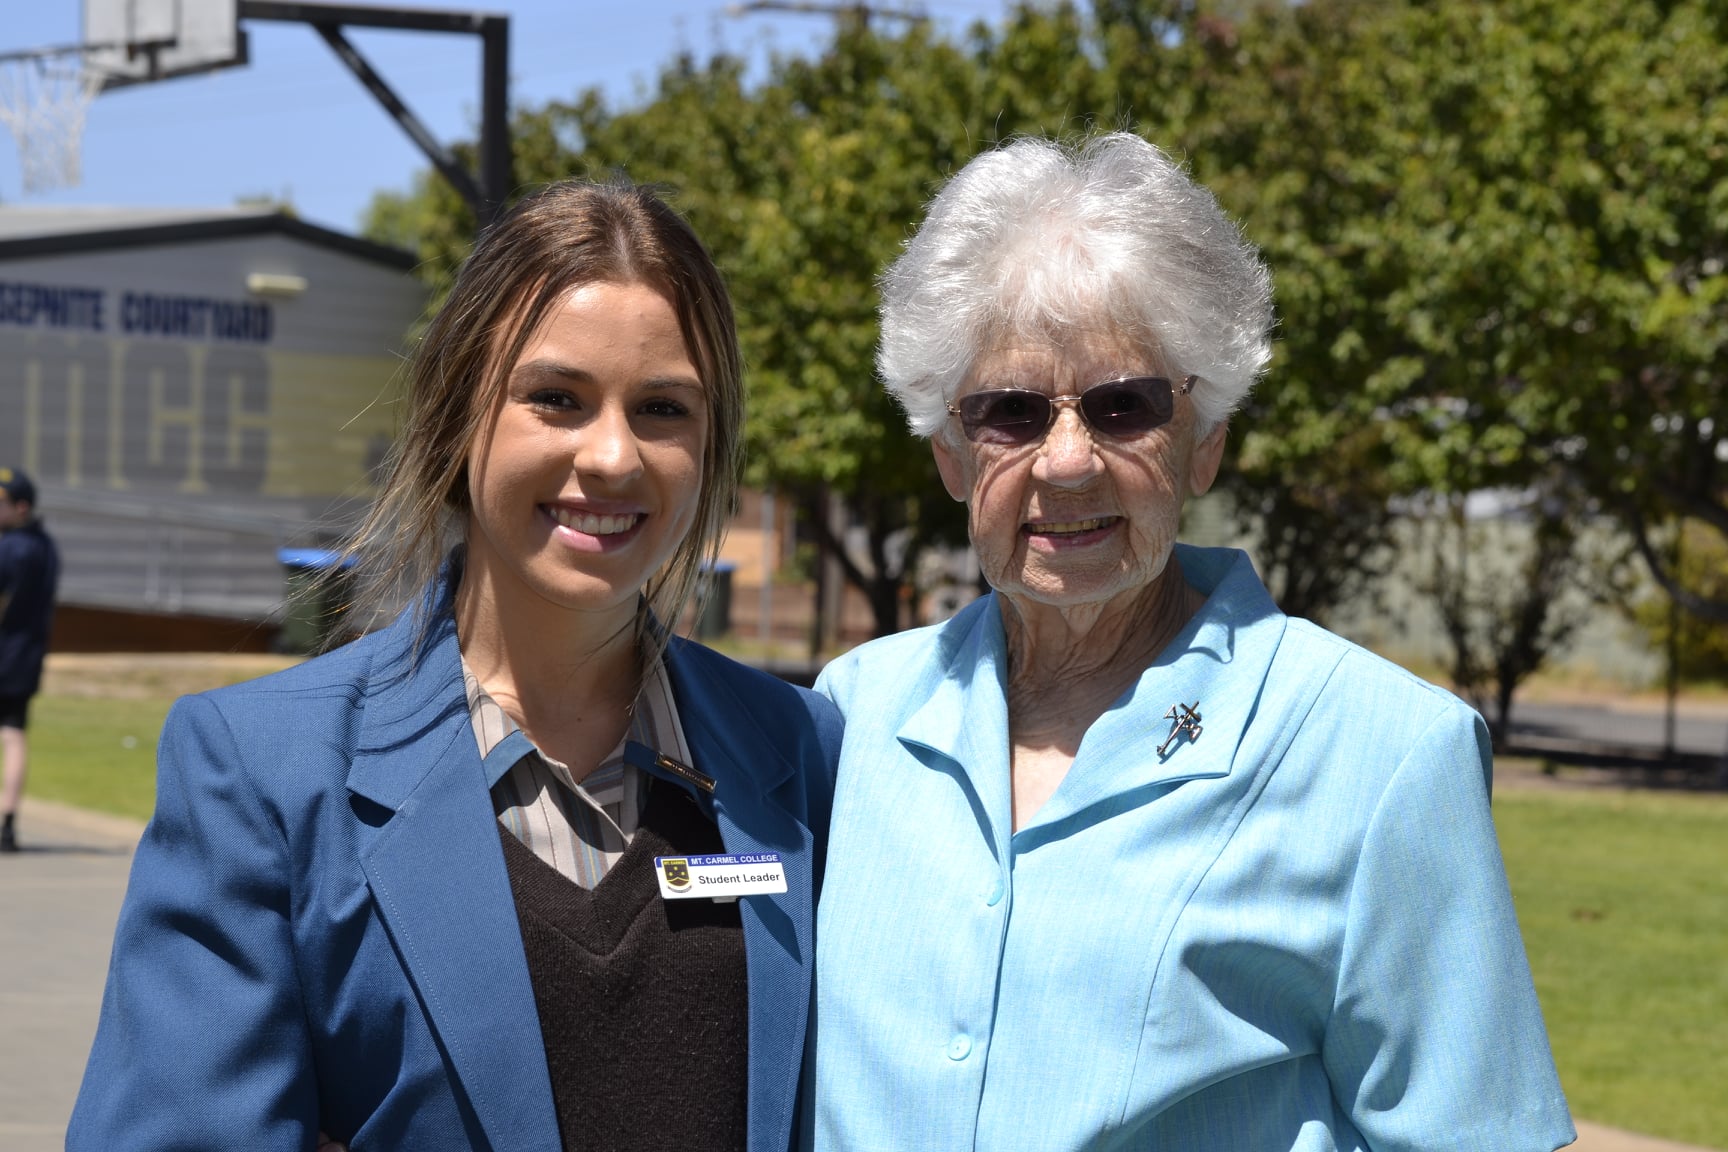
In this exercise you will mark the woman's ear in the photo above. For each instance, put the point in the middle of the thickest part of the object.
(951, 466)
(1208, 455)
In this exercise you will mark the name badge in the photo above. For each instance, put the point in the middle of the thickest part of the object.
(719, 877)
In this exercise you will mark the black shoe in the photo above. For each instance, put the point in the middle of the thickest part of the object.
(8, 838)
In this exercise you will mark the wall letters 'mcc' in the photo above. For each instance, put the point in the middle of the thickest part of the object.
(89, 411)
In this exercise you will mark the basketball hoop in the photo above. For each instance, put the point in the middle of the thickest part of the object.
(43, 98)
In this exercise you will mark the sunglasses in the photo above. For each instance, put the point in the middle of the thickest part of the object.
(1120, 409)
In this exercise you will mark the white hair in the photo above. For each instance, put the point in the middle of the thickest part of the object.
(1038, 237)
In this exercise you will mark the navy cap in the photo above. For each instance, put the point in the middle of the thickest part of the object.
(17, 486)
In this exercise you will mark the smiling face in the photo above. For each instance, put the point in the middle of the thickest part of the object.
(1076, 517)
(588, 477)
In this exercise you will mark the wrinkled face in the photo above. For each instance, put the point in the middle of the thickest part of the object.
(589, 475)
(1075, 517)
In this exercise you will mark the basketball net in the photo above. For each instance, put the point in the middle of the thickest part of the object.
(43, 99)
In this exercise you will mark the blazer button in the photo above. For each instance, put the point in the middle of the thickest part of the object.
(959, 1048)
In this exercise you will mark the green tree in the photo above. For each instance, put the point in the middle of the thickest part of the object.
(1275, 113)
(804, 186)
(1498, 233)
(1698, 647)
(1496, 226)
(1558, 237)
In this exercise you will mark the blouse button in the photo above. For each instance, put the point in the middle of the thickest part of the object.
(959, 1048)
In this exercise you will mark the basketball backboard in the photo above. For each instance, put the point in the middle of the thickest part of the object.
(145, 40)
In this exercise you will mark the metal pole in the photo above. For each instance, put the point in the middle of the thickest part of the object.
(486, 192)
(1668, 719)
(835, 588)
(856, 11)
(496, 176)
(765, 611)
(818, 506)
(441, 157)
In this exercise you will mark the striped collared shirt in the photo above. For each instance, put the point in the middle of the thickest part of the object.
(579, 829)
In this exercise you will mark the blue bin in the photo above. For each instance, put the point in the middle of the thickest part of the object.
(715, 619)
(318, 587)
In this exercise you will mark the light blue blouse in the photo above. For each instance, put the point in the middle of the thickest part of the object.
(1290, 931)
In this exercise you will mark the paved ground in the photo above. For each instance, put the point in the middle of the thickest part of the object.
(1595, 1138)
(58, 902)
(1698, 728)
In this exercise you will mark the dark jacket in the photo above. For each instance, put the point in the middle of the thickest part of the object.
(29, 570)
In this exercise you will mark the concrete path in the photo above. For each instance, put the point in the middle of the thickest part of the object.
(1701, 729)
(59, 899)
(1595, 1138)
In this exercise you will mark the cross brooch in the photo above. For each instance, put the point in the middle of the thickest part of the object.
(1187, 718)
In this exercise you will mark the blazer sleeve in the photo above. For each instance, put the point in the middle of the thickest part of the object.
(1436, 1039)
(825, 716)
(202, 1041)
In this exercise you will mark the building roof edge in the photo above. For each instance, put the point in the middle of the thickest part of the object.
(211, 228)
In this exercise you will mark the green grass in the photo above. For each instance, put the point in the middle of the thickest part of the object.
(96, 753)
(1623, 900)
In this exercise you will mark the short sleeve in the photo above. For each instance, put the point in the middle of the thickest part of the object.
(1436, 1039)
(202, 1041)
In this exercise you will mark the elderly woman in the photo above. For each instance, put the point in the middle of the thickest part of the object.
(1122, 857)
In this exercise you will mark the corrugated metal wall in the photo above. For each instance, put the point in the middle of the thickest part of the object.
(181, 429)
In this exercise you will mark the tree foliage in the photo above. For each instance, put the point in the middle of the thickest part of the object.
(805, 185)
(1498, 230)
(1699, 647)
(1565, 248)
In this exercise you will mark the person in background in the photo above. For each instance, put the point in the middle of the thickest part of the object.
(29, 572)
(1123, 857)
(443, 888)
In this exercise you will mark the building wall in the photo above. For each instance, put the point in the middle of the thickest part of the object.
(180, 428)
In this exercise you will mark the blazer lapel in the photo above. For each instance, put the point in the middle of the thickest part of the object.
(728, 740)
(436, 868)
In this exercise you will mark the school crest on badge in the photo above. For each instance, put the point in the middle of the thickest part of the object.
(677, 873)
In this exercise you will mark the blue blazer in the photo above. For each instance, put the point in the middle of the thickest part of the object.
(319, 929)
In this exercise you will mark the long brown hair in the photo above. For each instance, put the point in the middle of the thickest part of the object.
(552, 242)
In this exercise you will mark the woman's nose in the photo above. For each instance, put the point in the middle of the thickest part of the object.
(606, 446)
(1067, 457)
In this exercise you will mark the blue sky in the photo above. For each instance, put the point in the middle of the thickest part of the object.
(296, 125)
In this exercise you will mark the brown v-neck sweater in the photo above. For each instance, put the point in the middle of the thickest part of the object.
(641, 1000)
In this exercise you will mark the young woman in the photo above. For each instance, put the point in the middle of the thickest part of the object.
(410, 894)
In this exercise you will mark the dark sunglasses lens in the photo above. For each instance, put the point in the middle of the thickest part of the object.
(1004, 416)
(1129, 407)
